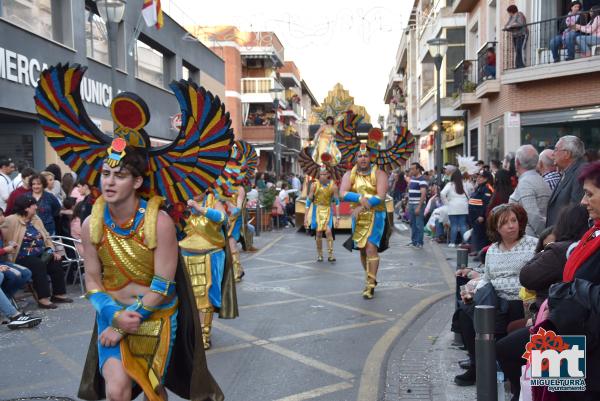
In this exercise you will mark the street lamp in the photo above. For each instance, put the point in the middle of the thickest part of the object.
(437, 49)
(277, 145)
(112, 12)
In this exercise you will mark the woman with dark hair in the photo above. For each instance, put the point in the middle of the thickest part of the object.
(502, 190)
(56, 187)
(574, 303)
(48, 206)
(517, 26)
(67, 183)
(36, 252)
(509, 252)
(457, 202)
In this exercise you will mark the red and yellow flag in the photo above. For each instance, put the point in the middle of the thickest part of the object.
(152, 13)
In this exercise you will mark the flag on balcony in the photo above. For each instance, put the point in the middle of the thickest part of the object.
(152, 13)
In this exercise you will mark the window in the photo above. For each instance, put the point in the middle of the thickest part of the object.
(96, 37)
(185, 73)
(33, 15)
(494, 133)
(427, 78)
(149, 64)
(454, 55)
(188, 71)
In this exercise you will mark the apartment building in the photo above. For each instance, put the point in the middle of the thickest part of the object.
(412, 87)
(535, 101)
(38, 33)
(266, 96)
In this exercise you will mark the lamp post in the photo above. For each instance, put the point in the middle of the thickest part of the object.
(437, 49)
(277, 144)
(112, 12)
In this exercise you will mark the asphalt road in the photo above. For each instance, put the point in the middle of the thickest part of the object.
(304, 331)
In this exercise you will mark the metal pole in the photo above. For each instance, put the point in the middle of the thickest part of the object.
(485, 353)
(258, 217)
(112, 30)
(277, 147)
(438, 137)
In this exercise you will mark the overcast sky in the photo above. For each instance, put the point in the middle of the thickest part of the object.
(351, 42)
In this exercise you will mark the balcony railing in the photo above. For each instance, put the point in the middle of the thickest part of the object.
(486, 62)
(291, 142)
(259, 85)
(534, 45)
(465, 77)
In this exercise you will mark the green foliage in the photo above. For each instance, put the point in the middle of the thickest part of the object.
(267, 197)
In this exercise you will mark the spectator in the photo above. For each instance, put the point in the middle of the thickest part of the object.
(454, 196)
(489, 69)
(50, 184)
(65, 217)
(547, 169)
(67, 183)
(568, 33)
(48, 207)
(75, 227)
(509, 252)
(509, 165)
(17, 320)
(495, 165)
(517, 26)
(399, 189)
(6, 187)
(591, 155)
(502, 190)
(81, 190)
(23, 188)
(591, 31)
(20, 165)
(433, 204)
(55, 187)
(568, 156)
(15, 276)
(26, 229)
(296, 184)
(478, 203)
(416, 205)
(531, 192)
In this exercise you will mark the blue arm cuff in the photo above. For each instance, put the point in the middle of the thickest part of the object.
(139, 307)
(215, 215)
(337, 201)
(308, 203)
(351, 197)
(104, 304)
(374, 201)
(162, 286)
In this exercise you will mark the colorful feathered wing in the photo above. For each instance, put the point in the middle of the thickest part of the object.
(66, 124)
(178, 171)
(396, 155)
(346, 138)
(311, 168)
(240, 166)
(250, 158)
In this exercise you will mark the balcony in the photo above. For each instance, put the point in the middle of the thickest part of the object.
(463, 6)
(258, 90)
(465, 83)
(293, 110)
(532, 59)
(291, 144)
(487, 84)
(258, 134)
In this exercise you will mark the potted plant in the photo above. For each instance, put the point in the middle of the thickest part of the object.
(267, 200)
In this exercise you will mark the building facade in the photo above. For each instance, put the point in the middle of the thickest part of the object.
(35, 34)
(412, 87)
(266, 95)
(535, 102)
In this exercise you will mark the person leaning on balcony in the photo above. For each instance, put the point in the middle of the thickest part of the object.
(568, 33)
(592, 29)
(489, 69)
(517, 26)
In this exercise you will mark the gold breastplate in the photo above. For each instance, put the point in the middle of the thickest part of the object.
(126, 255)
(323, 194)
(366, 184)
(202, 234)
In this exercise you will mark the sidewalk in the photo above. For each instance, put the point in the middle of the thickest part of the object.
(423, 363)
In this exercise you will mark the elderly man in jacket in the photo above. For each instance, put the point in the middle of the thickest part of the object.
(568, 156)
(532, 192)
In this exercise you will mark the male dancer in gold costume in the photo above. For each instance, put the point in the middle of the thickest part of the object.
(203, 250)
(322, 194)
(366, 186)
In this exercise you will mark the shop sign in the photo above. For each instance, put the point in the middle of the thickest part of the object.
(24, 70)
(514, 120)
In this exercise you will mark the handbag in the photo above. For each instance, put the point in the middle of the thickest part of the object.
(47, 255)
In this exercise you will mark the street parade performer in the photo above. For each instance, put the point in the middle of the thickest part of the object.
(148, 336)
(229, 189)
(325, 143)
(319, 211)
(365, 186)
(207, 261)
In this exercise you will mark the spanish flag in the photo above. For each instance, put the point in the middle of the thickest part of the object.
(152, 13)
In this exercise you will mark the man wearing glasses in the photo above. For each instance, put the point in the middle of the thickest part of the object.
(568, 156)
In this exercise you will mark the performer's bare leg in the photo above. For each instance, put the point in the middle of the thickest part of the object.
(372, 265)
(363, 258)
(329, 236)
(118, 382)
(238, 271)
(319, 240)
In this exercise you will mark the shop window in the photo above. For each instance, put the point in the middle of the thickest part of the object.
(494, 133)
(149, 64)
(33, 15)
(96, 37)
(474, 143)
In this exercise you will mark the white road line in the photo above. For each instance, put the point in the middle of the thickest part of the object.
(317, 392)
